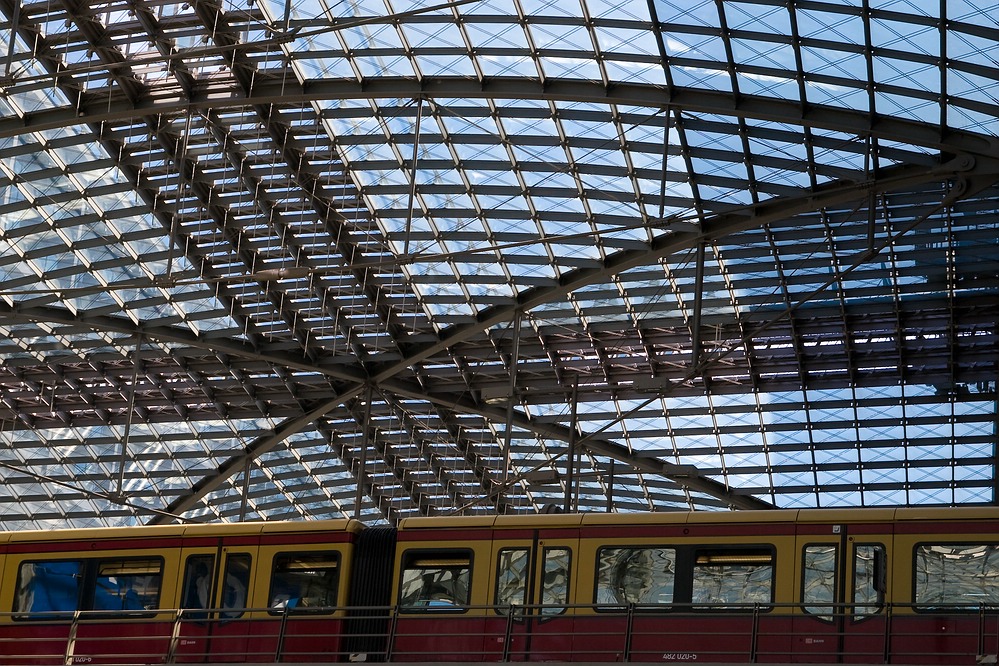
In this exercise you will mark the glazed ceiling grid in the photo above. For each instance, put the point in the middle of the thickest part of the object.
(274, 248)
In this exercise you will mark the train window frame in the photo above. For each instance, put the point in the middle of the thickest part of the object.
(192, 582)
(647, 607)
(298, 605)
(100, 572)
(500, 577)
(950, 607)
(442, 558)
(88, 576)
(879, 577)
(234, 587)
(22, 614)
(734, 553)
(559, 607)
(820, 609)
(197, 582)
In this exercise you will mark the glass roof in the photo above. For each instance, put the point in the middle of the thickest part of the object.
(281, 259)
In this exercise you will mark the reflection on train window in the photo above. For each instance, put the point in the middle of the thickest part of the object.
(959, 574)
(235, 583)
(197, 588)
(304, 582)
(869, 569)
(555, 584)
(732, 577)
(818, 582)
(128, 584)
(636, 575)
(48, 587)
(435, 580)
(64, 586)
(512, 570)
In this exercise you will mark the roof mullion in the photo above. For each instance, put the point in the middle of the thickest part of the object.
(944, 67)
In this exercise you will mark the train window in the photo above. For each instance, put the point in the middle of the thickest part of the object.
(48, 587)
(197, 588)
(818, 581)
(555, 584)
(127, 584)
(437, 580)
(512, 571)
(958, 575)
(723, 578)
(869, 573)
(304, 582)
(635, 575)
(64, 586)
(235, 584)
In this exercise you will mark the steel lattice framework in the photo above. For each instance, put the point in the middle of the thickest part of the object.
(301, 258)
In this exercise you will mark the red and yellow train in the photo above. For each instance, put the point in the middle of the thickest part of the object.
(810, 586)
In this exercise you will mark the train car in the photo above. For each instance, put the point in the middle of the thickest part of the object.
(914, 586)
(811, 586)
(598, 587)
(175, 594)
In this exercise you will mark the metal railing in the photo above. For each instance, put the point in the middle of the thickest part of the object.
(731, 633)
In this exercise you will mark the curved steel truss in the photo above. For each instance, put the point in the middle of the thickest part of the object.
(277, 259)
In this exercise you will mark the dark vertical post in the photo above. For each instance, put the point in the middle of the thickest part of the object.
(508, 438)
(610, 487)
(570, 462)
(412, 175)
(362, 460)
(695, 318)
(244, 497)
(123, 457)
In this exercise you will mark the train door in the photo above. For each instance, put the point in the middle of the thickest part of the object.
(867, 576)
(532, 596)
(817, 630)
(215, 584)
(842, 581)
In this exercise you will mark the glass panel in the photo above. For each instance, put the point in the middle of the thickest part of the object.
(733, 577)
(957, 574)
(635, 575)
(235, 585)
(512, 567)
(48, 587)
(197, 587)
(555, 585)
(303, 582)
(437, 580)
(818, 583)
(866, 586)
(132, 584)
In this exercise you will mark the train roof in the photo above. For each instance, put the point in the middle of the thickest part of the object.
(191, 529)
(864, 515)
(849, 515)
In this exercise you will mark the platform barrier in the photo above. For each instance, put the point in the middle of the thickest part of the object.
(701, 634)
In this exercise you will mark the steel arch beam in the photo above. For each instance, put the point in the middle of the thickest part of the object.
(686, 475)
(630, 94)
(714, 228)
(387, 376)
(694, 100)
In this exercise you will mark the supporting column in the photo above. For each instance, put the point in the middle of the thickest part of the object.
(571, 504)
(362, 460)
(508, 439)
